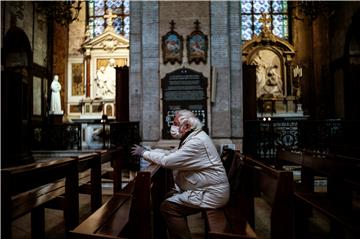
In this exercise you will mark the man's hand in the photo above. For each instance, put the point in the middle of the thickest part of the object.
(137, 150)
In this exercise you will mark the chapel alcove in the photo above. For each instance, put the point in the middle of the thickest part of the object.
(16, 98)
(276, 92)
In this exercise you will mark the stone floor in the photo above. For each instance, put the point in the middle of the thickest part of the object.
(55, 223)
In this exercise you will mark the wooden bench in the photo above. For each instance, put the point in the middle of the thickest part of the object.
(336, 202)
(109, 157)
(228, 222)
(128, 213)
(89, 182)
(26, 189)
(276, 188)
(235, 220)
(117, 159)
(90, 165)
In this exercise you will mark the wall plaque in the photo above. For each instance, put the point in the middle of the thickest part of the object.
(183, 89)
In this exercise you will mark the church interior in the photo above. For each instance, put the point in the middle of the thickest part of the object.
(274, 84)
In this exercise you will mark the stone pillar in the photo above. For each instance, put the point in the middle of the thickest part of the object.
(219, 44)
(150, 71)
(226, 58)
(227, 110)
(236, 82)
(144, 73)
(135, 76)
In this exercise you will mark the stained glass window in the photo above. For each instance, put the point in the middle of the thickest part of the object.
(98, 9)
(251, 11)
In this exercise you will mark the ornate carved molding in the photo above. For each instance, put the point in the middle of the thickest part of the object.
(108, 41)
(268, 40)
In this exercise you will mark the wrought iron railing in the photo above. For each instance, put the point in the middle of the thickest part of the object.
(56, 137)
(126, 134)
(70, 136)
(261, 138)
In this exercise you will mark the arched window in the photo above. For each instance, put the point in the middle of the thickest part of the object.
(98, 9)
(251, 11)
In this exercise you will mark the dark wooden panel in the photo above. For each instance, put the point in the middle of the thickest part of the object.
(249, 92)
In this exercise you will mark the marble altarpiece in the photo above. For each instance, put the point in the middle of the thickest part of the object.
(92, 80)
(278, 88)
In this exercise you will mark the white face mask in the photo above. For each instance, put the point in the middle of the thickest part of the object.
(174, 131)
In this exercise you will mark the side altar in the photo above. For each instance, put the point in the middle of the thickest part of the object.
(273, 81)
(92, 83)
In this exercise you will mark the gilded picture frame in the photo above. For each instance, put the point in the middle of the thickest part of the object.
(172, 47)
(197, 47)
(78, 81)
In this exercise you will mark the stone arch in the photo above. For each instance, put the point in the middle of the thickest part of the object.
(16, 97)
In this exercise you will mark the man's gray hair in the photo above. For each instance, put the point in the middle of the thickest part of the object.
(186, 116)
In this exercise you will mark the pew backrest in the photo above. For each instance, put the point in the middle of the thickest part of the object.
(338, 168)
(26, 187)
(335, 201)
(128, 212)
(276, 188)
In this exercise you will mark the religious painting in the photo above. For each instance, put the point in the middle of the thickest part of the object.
(75, 108)
(269, 82)
(105, 80)
(109, 110)
(197, 45)
(77, 76)
(172, 47)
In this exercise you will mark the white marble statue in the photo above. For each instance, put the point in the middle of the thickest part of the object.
(110, 74)
(273, 83)
(55, 104)
(268, 78)
(100, 82)
(106, 80)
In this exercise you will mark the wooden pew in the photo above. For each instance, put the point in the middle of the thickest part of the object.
(89, 167)
(128, 212)
(236, 219)
(25, 189)
(336, 203)
(89, 181)
(227, 222)
(117, 159)
(276, 188)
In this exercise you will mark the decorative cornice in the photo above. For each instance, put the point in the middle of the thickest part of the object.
(108, 41)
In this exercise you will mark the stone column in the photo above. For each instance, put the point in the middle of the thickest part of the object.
(219, 44)
(135, 84)
(144, 71)
(226, 58)
(236, 89)
(150, 71)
